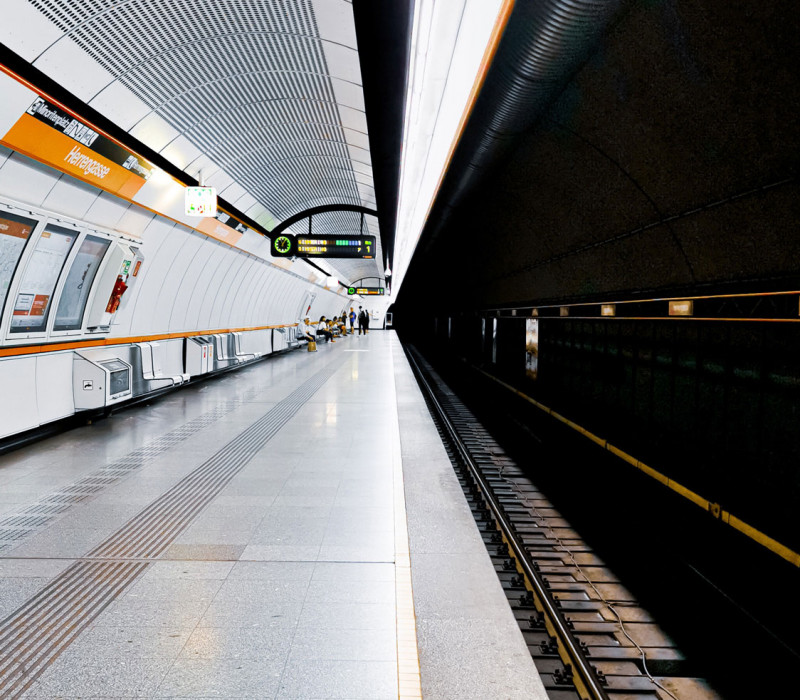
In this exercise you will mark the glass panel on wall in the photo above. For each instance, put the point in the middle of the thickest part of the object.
(72, 302)
(14, 233)
(35, 292)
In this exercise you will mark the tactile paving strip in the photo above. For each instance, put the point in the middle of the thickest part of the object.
(18, 526)
(41, 629)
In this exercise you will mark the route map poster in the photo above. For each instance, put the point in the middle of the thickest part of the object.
(14, 233)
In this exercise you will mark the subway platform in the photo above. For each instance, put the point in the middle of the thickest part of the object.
(290, 530)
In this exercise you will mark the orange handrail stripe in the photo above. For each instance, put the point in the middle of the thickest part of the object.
(100, 342)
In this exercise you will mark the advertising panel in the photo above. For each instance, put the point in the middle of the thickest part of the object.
(35, 292)
(532, 348)
(14, 233)
(79, 282)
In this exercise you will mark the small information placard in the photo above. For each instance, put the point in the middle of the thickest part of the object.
(201, 201)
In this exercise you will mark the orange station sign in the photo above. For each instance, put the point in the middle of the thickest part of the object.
(51, 135)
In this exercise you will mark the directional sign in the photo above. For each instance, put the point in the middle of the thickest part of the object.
(366, 291)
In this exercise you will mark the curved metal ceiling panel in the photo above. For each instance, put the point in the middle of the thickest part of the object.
(269, 92)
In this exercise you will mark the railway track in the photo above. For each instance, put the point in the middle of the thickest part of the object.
(587, 635)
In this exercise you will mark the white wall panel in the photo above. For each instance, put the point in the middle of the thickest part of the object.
(264, 277)
(220, 179)
(68, 64)
(154, 132)
(25, 30)
(227, 285)
(26, 180)
(236, 301)
(180, 152)
(190, 286)
(250, 242)
(54, 386)
(249, 288)
(106, 210)
(245, 202)
(18, 409)
(120, 105)
(4, 154)
(16, 99)
(151, 313)
(203, 164)
(232, 192)
(71, 197)
(135, 220)
(201, 288)
(213, 286)
(182, 264)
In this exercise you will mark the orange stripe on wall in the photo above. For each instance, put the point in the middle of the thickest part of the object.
(101, 342)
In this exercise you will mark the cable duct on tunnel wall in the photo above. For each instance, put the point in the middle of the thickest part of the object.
(545, 43)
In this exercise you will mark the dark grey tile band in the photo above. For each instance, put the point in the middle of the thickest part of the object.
(27, 521)
(40, 630)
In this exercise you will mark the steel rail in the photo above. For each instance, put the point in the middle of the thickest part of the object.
(580, 663)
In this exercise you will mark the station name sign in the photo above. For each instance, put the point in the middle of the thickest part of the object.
(288, 245)
(366, 291)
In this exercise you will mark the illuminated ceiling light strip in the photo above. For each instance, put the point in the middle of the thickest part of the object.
(423, 148)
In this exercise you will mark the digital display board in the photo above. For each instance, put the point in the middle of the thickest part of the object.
(288, 245)
(366, 291)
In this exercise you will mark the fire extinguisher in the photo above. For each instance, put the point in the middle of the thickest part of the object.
(116, 295)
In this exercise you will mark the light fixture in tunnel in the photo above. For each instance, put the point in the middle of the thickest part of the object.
(452, 45)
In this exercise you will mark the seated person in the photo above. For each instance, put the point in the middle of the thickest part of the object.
(322, 330)
(303, 331)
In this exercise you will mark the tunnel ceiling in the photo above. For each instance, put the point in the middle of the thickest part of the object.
(263, 99)
(667, 161)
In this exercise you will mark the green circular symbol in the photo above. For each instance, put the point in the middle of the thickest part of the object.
(351, 290)
(283, 244)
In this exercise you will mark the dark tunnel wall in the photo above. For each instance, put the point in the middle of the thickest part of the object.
(669, 162)
(668, 165)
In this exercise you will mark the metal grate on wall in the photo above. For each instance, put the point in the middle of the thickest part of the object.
(245, 82)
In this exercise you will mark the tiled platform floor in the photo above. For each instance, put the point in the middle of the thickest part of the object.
(284, 582)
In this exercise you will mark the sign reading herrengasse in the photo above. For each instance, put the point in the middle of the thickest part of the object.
(50, 134)
(51, 115)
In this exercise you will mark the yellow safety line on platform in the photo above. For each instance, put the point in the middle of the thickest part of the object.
(728, 518)
(409, 682)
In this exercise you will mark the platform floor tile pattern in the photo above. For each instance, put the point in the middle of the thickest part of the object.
(234, 539)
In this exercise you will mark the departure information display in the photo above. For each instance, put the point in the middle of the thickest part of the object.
(366, 291)
(288, 245)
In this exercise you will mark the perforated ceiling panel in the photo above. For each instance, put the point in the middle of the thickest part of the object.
(268, 91)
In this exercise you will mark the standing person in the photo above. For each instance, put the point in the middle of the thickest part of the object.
(352, 320)
(366, 321)
(322, 330)
(361, 320)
